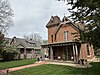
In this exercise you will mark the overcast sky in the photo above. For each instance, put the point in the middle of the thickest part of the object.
(31, 16)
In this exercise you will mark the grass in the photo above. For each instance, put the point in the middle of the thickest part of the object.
(10, 64)
(98, 56)
(59, 70)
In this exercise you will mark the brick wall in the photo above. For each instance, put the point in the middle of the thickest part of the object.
(51, 31)
(60, 33)
(84, 54)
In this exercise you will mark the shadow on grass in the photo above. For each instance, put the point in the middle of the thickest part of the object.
(59, 70)
(94, 70)
(9, 60)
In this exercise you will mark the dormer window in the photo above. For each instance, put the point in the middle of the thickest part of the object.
(65, 36)
(32, 44)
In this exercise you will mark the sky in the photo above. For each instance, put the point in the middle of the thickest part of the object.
(31, 16)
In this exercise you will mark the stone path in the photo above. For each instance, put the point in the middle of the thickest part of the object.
(96, 60)
(71, 64)
(22, 67)
(2, 73)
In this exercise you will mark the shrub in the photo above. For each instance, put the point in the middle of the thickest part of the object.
(9, 53)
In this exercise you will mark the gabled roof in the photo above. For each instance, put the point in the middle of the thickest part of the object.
(7, 40)
(53, 21)
(23, 43)
(65, 20)
(59, 26)
(80, 25)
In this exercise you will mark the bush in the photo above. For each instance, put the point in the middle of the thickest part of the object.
(7, 56)
(9, 53)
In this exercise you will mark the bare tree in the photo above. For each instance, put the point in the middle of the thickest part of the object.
(6, 14)
(34, 37)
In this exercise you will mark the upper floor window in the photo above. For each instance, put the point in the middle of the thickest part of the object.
(52, 38)
(65, 36)
(32, 44)
(88, 52)
(55, 38)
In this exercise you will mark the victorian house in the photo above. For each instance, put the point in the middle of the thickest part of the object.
(63, 44)
(27, 48)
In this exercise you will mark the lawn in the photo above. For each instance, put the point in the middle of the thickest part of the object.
(59, 70)
(4, 65)
(98, 56)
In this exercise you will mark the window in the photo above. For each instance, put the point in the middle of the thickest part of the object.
(55, 38)
(88, 52)
(52, 38)
(65, 36)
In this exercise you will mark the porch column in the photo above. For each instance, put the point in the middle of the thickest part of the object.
(42, 52)
(51, 53)
(67, 52)
(74, 53)
(25, 54)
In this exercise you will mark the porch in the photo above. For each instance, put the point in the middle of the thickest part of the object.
(66, 51)
(29, 52)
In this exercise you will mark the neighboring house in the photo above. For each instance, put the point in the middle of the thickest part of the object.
(97, 52)
(27, 48)
(63, 44)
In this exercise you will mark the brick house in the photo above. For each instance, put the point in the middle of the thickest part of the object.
(62, 44)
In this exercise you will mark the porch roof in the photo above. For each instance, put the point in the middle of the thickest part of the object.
(60, 44)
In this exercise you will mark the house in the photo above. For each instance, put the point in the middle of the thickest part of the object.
(97, 52)
(27, 48)
(63, 41)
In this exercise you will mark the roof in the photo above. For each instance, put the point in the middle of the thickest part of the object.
(57, 29)
(8, 40)
(80, 25)
(61, 44)
(23, 43)
(65, 20)
(53, 21)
